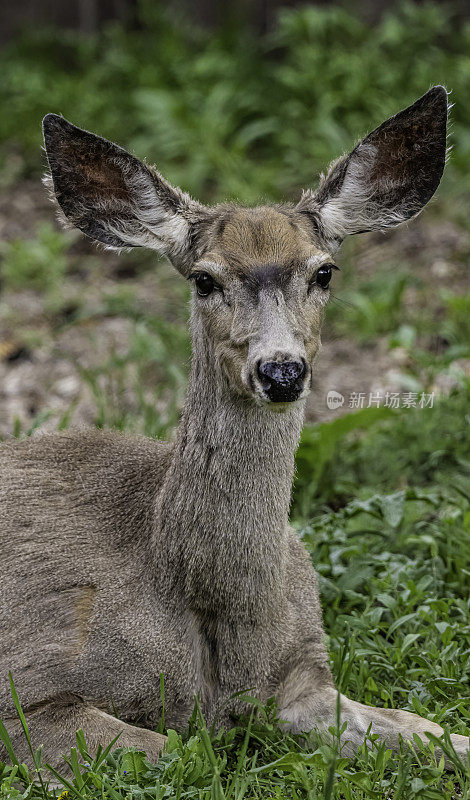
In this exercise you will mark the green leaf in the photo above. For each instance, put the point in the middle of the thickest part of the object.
(133, 763)
(401, 621)
(392, 508)
(408, 641)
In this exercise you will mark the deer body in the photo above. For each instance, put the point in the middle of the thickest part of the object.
(125, 558)
(231, 610)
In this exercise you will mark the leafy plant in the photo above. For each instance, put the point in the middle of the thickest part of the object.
(255, 116)
(457, 319)
(317, 451)
(383, 451)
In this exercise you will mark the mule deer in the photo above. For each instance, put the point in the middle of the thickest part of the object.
(123, 557)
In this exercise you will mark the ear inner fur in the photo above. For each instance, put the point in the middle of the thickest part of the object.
(114, 198)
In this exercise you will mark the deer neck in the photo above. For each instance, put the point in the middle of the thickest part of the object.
(222, 514)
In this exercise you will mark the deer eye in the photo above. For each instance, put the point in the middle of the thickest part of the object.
(323, 276)
(204, 284)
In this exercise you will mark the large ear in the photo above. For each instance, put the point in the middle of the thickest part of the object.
(388, 177)
(116, 199)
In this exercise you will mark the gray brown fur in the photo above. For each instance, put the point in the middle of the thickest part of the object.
(124, 558)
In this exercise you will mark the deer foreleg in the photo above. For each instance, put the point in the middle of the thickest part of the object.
(318, 711)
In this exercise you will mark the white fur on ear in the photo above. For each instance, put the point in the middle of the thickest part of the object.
(355, 209)
(388, 177)
(116, 199)
(155, 226)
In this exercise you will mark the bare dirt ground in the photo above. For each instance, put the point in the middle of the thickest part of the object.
(43, 353)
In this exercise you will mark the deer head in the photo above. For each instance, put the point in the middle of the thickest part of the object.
(260, 276)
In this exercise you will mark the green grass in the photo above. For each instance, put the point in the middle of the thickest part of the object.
(154, 367)
(38, 263)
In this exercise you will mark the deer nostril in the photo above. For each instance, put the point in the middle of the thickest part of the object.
(280, 374)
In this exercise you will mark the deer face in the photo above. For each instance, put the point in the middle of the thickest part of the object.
(260, 276)
(259, 291)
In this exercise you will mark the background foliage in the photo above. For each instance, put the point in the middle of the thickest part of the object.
(225, 113)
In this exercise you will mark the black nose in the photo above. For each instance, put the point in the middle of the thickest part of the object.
(282, 380)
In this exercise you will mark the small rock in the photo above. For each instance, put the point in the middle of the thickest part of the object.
(67, 387)
(441, 268)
